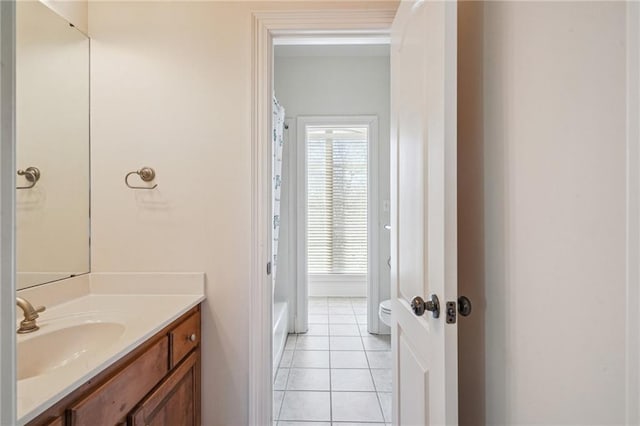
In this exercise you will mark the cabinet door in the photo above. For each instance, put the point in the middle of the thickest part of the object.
(176, 401)
(111, 401)
(56, 422)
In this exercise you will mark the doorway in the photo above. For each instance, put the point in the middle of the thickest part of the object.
(267, 25)
(330, 198)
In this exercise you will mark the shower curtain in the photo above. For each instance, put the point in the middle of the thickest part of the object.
(278, 142)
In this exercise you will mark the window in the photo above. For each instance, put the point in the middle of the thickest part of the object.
(337, 185)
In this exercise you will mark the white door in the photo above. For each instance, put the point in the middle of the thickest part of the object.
(423, 113)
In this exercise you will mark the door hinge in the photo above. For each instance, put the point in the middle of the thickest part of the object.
(268, 268)
(452, 310)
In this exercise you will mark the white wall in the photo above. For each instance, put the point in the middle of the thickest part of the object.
(554, 182)
(74, 11)
(333, 80)
(633, 213)
(171, 89)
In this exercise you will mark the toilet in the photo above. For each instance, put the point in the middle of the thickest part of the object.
(384, 312)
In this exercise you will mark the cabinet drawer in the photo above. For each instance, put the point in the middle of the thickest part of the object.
(111, 402)
(184, 338)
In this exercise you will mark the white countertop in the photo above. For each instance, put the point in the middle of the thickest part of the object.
(138, 312)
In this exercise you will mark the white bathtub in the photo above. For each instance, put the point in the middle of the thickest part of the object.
(280, 331)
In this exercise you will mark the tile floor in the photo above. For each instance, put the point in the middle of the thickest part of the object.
(336, 373)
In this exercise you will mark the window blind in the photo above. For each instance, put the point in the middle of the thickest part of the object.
(337, 175)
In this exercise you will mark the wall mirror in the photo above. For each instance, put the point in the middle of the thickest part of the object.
(52, 147)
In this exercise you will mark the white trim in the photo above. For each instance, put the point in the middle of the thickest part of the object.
(264, 26)
(334, 40)
(329, 289)
(293, 197)
(260, 313)
(633, 217)
(334, 289)
(301, 285)
(332, 285)
(7, 215)
(374, 229)
(373, 222)
(338, 278)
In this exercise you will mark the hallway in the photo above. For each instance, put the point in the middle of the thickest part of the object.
(336, 372)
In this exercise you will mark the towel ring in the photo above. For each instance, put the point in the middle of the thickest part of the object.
(31, 174)
(147, 174)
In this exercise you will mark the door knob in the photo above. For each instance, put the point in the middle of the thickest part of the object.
(464, 306)
(418, 305)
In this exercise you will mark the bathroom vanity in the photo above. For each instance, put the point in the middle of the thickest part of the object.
(158, 383)
(113, 349)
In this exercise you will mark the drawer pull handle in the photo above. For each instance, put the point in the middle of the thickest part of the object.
(192, 338)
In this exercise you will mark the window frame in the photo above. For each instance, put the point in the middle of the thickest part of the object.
(372, 279)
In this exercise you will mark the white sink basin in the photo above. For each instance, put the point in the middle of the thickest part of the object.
(45, 351)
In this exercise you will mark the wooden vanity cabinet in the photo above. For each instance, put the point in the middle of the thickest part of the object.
(157, 384)
(56, 422)
(173, 402)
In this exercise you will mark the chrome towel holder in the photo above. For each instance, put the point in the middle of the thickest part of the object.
(31, 174)
(147, 174)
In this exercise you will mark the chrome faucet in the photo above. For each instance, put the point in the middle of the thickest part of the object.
(28, 324)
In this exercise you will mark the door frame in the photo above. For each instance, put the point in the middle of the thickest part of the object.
(266, 25)
(373, 221)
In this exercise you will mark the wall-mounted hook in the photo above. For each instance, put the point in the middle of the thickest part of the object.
(147, 174)
(31, 174)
